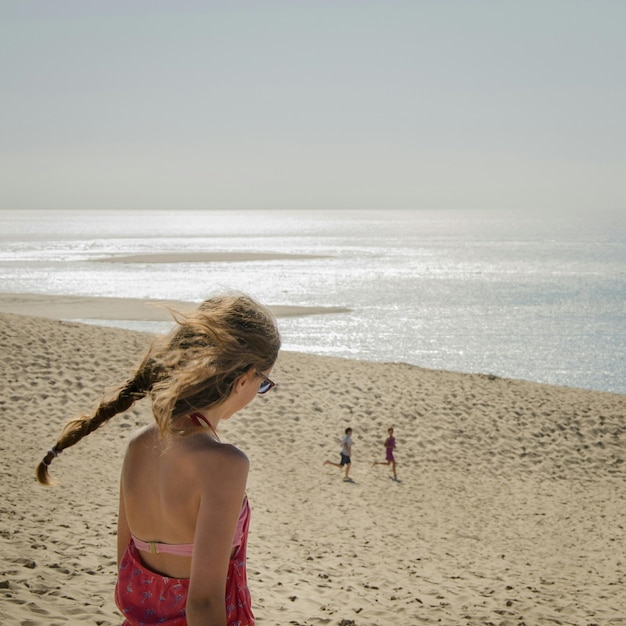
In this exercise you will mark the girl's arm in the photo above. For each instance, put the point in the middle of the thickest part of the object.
(225, 472)
(123, 532)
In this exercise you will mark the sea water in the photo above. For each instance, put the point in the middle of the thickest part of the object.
(539, 297)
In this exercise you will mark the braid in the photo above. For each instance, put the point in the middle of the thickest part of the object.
(192, 368)
(134, 389)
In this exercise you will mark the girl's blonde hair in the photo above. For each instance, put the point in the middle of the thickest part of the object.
(193, 368)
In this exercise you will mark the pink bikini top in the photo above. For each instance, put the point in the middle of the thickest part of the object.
(186, 549)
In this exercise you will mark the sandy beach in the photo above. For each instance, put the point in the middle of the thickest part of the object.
(509, 510)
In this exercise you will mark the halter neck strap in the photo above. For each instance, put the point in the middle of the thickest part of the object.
(198, 419)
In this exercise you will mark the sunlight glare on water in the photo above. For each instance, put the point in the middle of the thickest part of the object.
(536, 297)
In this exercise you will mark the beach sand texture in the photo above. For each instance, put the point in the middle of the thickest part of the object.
(510, 508)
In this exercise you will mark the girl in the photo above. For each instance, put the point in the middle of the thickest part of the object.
(183, 513)
(390, 446)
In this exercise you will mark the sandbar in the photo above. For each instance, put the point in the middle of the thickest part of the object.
(67, 307)
(205, 257)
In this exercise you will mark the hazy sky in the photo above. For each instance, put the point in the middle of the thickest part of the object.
(306, 104)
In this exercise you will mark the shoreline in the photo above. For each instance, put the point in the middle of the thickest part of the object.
(90, 310)
(67, 307)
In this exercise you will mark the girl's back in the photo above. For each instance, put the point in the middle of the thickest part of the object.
(163, 481)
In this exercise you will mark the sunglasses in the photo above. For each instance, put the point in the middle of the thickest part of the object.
(266, 383)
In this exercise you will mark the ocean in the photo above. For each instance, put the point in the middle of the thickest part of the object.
(535, 296)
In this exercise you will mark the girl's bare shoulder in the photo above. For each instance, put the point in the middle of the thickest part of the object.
(192, 455)
(227, 465)
(143, 435)
(208, 451)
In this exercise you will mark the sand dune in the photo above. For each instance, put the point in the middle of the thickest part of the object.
(510, 508)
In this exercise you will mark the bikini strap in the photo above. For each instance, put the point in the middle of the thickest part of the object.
(155, 547)
(197, 418)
